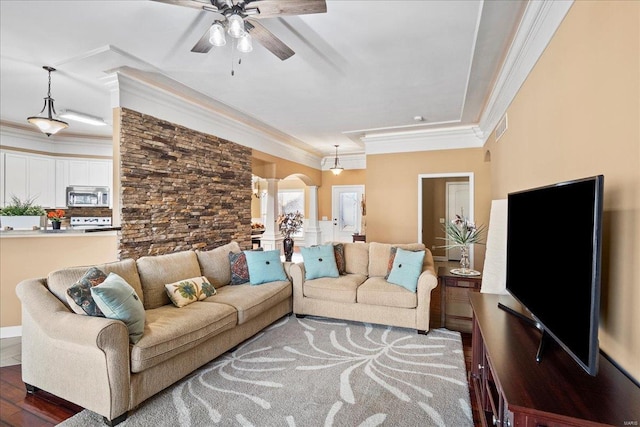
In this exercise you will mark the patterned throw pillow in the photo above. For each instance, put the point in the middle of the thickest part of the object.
(341, 263)
(80, 292)
(239, 268)
(392, 257)
(184, 292)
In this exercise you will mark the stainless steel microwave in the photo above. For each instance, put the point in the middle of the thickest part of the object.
(87, 196)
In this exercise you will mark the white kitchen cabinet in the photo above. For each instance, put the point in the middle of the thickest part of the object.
(62, 182)
(78, 172)
(93, 173)
(29, 177)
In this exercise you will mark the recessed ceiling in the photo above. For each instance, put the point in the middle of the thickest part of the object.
(363, 66)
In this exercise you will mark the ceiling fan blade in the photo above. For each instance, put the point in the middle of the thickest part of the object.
(203, 45)
(268, 40)
(272, 8)
(194, 4)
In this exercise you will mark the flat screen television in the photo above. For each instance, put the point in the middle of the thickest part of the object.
(554, 239)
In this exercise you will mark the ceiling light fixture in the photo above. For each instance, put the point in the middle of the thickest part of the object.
(216, 34)
(336, 169)
(82, 117)
(48, 125)
(245, 44)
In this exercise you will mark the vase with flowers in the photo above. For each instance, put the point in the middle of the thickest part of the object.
(56, 216)
(289, 224)
(462, 233)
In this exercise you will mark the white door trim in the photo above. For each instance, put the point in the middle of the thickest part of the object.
(470, 177)
(335, 204)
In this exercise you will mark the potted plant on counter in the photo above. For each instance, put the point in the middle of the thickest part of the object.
(56, 216)
(21, 215)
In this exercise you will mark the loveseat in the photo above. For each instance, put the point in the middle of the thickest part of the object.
(91, 361)
(363, 292)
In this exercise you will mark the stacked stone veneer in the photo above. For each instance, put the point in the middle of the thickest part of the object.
(180, 189)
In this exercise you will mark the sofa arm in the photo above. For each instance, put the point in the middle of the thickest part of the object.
(297, 277)
(81, 359)
(427, 282)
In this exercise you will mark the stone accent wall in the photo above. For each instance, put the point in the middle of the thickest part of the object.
(180, 189)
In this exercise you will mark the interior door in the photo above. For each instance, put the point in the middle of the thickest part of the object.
(347, 211)
(457, 204)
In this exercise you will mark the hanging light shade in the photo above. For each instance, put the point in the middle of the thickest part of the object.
(236, 26)
(336, 169)
(47, 124)
(245, 44)
(216, 35)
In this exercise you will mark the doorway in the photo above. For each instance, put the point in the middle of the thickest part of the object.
(440, 198)
(346, 210)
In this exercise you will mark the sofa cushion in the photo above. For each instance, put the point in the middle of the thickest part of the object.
(377, 291)
(59, 281)
(215, 263)
(184, 292)
(251, 301)
(157, 270)
(118, 300)
(170, 331)
(379, 254)
(407, 266)
(319, 261)
(79, 295)
(340, 289)
(265, 267)
(356, 256)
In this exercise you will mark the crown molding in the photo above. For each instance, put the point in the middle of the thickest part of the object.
(537, 27)
(167, 99)
(23, 138)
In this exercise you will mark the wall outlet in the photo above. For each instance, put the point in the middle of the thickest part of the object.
(441, 220)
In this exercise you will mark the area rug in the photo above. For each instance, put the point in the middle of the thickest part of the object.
(319, 372)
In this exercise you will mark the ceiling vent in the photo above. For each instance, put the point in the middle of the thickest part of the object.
(501, 128)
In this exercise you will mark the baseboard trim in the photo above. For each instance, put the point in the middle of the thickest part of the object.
(10, 332)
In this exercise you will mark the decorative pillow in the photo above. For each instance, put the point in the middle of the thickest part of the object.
(407, 266)
(392, 256)
(239, 268)
(338, 251)
(319, 261)
(265, 267)
(185, 292)
(118, 300)
(79, 295)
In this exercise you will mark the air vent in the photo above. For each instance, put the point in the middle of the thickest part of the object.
(501, 128)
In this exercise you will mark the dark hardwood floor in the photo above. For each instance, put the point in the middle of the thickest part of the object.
(19, 409)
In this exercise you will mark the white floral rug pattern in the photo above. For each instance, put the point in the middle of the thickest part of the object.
(319, 372)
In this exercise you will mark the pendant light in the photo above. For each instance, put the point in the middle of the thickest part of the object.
(336, 169)
(48, 125)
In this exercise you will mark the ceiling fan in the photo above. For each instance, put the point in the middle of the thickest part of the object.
(240, 17)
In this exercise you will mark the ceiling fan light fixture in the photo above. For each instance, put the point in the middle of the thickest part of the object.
(236, 26)
(216, 35)
(336, 169)
(245, 44)
(47, 124)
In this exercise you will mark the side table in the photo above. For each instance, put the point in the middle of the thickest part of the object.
(465, 284)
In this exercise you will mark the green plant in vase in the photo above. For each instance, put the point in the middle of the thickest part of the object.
(462, 233)
(21, 214)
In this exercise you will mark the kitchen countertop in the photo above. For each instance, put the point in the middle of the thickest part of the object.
(67, 232)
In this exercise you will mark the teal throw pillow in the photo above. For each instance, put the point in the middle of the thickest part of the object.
(407, 266)
(319, 261)
(265, 267)
(118, 300)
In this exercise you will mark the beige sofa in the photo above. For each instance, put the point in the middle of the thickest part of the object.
(363, 294)
(89, 360)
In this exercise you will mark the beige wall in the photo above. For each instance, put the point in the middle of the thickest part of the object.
(578, 115)
(347, 177)
(392, 191)
(32, 257)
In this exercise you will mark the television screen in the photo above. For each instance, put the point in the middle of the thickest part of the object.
(553, 262)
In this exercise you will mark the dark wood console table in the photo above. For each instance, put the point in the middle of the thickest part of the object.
(513, 390)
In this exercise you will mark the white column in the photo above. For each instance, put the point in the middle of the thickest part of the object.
(312, 233)
(271, 238)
